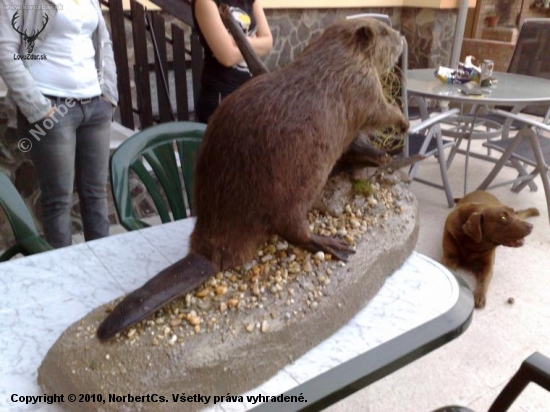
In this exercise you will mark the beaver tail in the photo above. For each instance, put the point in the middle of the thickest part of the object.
(174, 281)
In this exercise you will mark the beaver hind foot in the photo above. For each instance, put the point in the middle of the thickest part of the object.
(297, 232)
(337, 248)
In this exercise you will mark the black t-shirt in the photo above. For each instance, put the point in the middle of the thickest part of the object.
(215, 76)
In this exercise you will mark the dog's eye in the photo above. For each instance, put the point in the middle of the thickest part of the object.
(503, 218)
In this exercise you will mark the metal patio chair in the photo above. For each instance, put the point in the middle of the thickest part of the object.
(536, 369)
(530, 58)
(530, 147)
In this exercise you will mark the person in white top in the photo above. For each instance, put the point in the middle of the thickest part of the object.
(57, 62)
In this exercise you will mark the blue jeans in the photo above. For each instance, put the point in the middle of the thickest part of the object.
(72, 147)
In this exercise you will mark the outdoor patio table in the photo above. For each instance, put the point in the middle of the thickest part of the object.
(512, 90)
(420, 307)
(515, 91)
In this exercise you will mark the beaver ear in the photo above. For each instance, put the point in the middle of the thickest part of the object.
(472, 227)
(364, 35)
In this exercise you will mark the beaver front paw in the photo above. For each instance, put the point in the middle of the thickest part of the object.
(403, 126)
(337, 248)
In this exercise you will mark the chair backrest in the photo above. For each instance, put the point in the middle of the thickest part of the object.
(532, 54)
(162, 156)
(378, 16)
(16, 210)
(27, 238)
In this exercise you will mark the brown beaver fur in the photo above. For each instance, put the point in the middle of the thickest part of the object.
(270, 147)
(267, 153)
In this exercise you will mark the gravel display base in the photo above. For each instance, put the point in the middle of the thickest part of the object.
(245, 325)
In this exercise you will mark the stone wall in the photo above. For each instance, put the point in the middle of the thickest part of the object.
(429, 32)
(293, 29)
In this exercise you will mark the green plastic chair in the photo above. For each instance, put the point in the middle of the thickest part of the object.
(159, 145)
(28, 241)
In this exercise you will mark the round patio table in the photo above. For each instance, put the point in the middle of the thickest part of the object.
(512, 90)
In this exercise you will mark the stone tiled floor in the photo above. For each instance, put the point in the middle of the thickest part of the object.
(472, 369)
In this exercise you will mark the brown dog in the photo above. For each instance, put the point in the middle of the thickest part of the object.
(474, 228)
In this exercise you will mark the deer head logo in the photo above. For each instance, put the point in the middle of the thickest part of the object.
(29, 40)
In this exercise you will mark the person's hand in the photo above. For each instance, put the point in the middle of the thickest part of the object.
(107, 100)
(50, 112)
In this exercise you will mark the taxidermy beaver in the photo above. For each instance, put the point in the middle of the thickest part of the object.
(267, 153)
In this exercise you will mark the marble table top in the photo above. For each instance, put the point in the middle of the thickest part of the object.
(42, 295)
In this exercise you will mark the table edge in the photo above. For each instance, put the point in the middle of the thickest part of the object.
(367, 368)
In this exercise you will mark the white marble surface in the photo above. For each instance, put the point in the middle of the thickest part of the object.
(42, 295)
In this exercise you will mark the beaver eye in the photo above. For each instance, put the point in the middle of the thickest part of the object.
(503, 217)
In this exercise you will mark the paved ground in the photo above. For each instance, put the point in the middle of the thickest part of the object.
(471, 370)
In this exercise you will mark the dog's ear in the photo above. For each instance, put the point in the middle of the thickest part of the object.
(472, 227)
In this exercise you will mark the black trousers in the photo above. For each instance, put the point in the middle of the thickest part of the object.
(207, 102)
